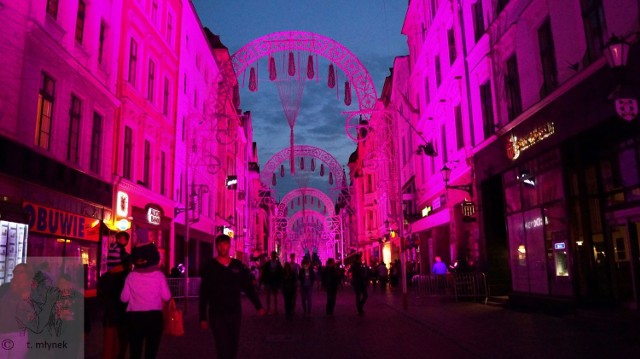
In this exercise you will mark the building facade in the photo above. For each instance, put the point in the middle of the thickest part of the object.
(519, 103)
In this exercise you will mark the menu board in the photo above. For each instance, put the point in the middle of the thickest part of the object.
(13, 248)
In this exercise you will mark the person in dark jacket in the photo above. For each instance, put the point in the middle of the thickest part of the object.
(306, 277)
(272, 279)
(289, 286)
(359, 279)
(115, 335)
(223, 278)
(330, 283)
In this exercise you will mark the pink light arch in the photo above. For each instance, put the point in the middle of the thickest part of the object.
(310, 191)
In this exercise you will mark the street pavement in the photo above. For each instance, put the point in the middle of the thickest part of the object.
(428, 328)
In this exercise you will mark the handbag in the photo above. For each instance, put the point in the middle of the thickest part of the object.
(173, 320)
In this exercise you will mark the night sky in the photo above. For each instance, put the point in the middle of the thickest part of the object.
(370, 29)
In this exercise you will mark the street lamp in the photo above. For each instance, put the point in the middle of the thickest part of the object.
(616, 52)
(446, 175)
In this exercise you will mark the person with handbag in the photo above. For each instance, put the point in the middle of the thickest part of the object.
(223, 278)
(145, 290)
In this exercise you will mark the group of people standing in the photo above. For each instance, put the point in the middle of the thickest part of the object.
(133, 292)
(289, 277)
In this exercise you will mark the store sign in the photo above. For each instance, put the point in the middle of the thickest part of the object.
(426, 211)
(516, 145)
(154, 214)
(122, 204)
(61, 224)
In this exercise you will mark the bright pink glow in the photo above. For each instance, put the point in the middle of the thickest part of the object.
(302, 151)
(308, 191)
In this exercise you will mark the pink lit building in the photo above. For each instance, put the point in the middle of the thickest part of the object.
(147, 83)
(518, 101)
(59, 67)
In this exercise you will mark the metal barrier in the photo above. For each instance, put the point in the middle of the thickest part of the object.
(459, 285)
(176, 286)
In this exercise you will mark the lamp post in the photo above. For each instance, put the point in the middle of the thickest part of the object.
(616, 52)
(446, 175)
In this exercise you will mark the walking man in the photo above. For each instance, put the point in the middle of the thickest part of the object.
(223, 278)
(359, 279)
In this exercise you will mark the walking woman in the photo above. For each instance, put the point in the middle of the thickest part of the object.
(145, 290)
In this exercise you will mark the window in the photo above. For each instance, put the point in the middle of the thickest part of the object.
(52, 8)
(165, 101)
(163, 173)
(184, 89)
(147, 164)
(151, 80)
(80, 21)
(459, 131)
(452, 46)
(512, 89)
(478, 19)
(133, 61)
(184, 129)
(501, 5)
(103, 28)
(548, 59)
(128, 153)
(438, 71)
(169, 29)
(74, 129)
(45, 112)
(427, 95)
(594, 28)
(195, 98)
(154, 12)
(96, 143)
(445, 158)
(486, 102)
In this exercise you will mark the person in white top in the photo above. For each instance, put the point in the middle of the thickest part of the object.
(145, 291)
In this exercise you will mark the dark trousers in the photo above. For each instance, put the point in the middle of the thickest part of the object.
(331, 299)
(145, 329)
(226, 332)
(361, 297)
(289, 295)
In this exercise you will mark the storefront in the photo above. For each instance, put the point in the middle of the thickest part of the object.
(565, 186)
(152, 216)
(13, 239)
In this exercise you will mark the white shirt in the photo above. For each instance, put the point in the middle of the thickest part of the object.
(145, 291)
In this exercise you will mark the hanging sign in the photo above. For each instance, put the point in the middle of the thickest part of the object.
(61, 224)
(153, 214)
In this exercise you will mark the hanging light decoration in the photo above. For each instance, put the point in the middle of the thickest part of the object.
(322, 169)
(313, 164)
(331, 81)
(281, 170)
(273, 73)
(273, 179)
(331, 178)
(302, 163)
(299, 202)
(347, 93)
(253, 81)
(292, 64)
(310, 71)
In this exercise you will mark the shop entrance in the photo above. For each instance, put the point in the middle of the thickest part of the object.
(623, 246)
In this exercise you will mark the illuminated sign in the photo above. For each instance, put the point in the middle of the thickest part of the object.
(154, 214)
(516, 145)
(534, 223)
(228, 232)
(122, 204)
(232, 182)
(559, 246)
(61, 224)
(426, 211)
